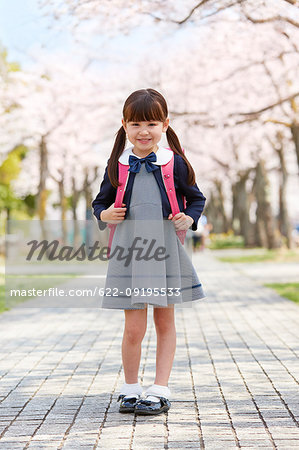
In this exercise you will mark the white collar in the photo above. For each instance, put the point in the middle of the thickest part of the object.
(163, 154)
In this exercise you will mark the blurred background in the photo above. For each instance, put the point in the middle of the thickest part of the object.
(229, 72)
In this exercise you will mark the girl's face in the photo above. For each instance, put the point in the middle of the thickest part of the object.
(145, 135)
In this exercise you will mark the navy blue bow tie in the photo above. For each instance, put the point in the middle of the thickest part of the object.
(135, 163)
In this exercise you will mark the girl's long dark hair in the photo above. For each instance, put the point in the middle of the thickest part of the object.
(144, 105)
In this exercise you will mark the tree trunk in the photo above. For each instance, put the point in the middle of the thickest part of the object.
(88, 210)
(63, 206)
(42, 192)
(241, 207)
(215, 210)
(7, 232)
(235, 224)
(211, 211)
(267, 233)
(283, 216)
(75, 200)
(295, 134)
(225, 221)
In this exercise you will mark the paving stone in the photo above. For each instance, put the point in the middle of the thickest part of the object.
(234, 361)
(287, 443)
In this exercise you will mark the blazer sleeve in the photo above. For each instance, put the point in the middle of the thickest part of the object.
(195, 200)
(104, 199)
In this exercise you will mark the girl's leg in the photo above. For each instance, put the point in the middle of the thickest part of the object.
(134, 331)
(166, 343)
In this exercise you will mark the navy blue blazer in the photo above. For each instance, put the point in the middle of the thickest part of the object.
(195, 200)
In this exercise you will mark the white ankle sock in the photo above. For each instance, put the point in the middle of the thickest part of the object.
(154, 392)
(131, 389)
(152, 398)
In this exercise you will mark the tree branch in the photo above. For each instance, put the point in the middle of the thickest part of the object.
(249, 116)
(180, 22)
(276, 86)
(222, 164)
(248, 66)
(277, 18)
(190, 14)
(260, 111)
(279, 122)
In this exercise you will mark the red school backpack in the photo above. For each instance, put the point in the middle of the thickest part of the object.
(167, 177)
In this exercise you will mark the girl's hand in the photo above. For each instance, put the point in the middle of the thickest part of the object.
(113, 215)
(181, 221)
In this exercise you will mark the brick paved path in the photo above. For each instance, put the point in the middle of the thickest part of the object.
(233, 381)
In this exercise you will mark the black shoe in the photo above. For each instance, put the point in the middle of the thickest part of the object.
(148, 408)
(127, 405)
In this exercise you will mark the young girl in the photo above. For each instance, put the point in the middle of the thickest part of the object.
(145, 220)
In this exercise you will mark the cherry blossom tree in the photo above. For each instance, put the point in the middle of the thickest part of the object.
(215, 90)
(230, 73)
(58, 113)
(122, 14)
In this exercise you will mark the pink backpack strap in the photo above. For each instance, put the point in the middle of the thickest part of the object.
(184, 198)
(123, 175)
(167, 176)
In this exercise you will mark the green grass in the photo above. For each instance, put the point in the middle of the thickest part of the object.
(2, 295)
(277, 255)
(225, 240)
(24, 282)
(288, 290)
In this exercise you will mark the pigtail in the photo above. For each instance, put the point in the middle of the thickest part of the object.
(175, 145)
(118, 148)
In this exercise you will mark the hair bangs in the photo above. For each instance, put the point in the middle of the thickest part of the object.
(144, 110)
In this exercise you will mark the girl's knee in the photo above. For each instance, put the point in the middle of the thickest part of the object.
(134, 333)
(164, 319)
(135, 325)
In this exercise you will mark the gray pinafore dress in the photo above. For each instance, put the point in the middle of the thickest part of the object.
(148, 264)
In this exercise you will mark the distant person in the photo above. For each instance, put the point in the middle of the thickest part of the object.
(197, 236)
(206, 228)
(200, 236)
